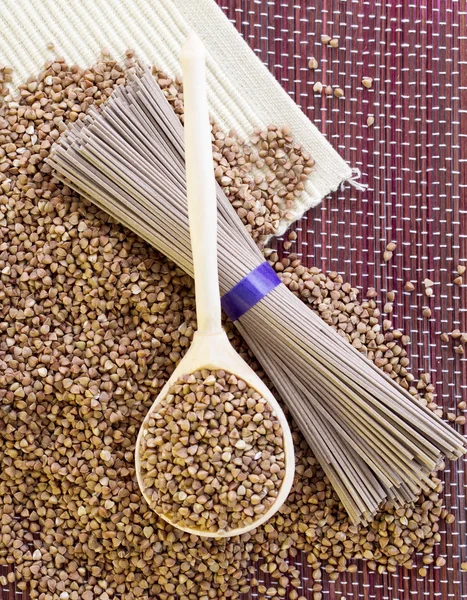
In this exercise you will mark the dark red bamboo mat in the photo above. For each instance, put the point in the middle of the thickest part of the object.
(413, 161)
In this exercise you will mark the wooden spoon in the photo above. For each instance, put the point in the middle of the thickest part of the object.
(211, 348)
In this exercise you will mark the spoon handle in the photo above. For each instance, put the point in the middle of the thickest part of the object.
(201, 191)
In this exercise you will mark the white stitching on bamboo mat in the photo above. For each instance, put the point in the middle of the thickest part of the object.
(390, 203)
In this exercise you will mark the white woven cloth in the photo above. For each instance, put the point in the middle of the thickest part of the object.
(242, 92)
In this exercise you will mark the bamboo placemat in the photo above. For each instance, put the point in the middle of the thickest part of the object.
(412, 161)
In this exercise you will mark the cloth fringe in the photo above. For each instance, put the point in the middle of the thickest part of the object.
(353, 181)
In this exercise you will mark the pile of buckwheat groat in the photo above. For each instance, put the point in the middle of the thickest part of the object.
(92, 324)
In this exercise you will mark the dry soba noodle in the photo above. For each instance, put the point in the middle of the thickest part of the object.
(372, 438)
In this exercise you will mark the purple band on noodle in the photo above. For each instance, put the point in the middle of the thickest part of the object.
(250, 290)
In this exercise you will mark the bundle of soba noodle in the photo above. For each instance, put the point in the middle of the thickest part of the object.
(372, 438)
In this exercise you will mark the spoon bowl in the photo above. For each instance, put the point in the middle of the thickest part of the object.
(214, 352)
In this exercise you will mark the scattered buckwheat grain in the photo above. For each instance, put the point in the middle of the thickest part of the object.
(387, 255)
(312, 63)
(92, 324)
